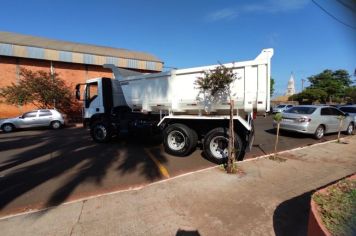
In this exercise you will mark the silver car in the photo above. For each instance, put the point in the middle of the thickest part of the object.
(281, 108)
(316, 120)
(37, 118)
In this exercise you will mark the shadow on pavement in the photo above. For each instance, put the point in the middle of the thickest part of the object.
(291, 217)
(70, 153)
(182, 232)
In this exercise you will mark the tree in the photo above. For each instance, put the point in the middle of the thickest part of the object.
(309, 95)
(334, 83)
(41, 89)
(272, 86)
(341, 118)
(350, 94)
(277, 118)
(214, 86)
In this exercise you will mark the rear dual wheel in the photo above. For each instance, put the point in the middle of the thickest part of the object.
(216, 145)
(179, 139)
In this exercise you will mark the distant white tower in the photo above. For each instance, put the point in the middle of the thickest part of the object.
(291, 87)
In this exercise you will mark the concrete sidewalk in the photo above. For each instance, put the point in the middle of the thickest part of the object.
(272, 198)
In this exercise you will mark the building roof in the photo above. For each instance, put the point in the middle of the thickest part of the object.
(13, 44)
(28, 40)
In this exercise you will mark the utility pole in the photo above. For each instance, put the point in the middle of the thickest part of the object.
(303, 84)
(52, 76)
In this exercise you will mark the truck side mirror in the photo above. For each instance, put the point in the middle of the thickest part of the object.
(77, 91)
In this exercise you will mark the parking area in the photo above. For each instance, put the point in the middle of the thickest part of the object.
(41, 168)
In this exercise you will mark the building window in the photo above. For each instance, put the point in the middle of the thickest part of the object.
(65, 56)
(88, 59)
(6, 49)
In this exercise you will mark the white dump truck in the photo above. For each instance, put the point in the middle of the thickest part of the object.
(170, 103)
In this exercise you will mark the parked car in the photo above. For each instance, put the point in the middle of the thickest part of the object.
(315, 120)
(36, 118)
(281, 108)
(351, 110)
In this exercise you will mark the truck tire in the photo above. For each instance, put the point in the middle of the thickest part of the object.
(216, 144)
(101, 132)
(179, 139)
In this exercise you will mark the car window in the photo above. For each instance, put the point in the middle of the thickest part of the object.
(30, 114)
(289, 105)
(325, 111)
(336, 112)
(301, 110)
(281, 106)
(45, 113)
(348, 109)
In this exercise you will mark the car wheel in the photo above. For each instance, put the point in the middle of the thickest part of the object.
(319, 132)
(56, 124)
(216, 144)
(101, 132)
(179, 139)
(350, 129)
(7, 128)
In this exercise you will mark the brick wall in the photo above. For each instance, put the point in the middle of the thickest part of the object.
(69, 72)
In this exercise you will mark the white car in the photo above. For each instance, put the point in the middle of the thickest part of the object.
(36, 118)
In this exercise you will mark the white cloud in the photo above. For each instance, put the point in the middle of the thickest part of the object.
(270, 6)
(224, 14)
(273, 6)
(273, 39)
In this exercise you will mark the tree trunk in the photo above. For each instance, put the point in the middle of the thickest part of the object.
(339, 131)
(275, 145)
(231, 157)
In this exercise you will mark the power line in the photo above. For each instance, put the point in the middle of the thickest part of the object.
(351, 8)
(332, 16)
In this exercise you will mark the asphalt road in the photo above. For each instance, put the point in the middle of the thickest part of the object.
(43, 168)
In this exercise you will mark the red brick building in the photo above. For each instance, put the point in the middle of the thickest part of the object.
(73, 62)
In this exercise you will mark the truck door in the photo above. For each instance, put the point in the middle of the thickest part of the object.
(93, 102)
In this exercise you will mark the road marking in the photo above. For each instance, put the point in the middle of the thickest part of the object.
(161, 168)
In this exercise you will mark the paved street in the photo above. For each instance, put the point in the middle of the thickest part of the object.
(41, 168)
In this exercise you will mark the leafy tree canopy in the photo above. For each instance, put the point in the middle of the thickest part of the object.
(216, 81)
(272, 87)
(333, 83)
(309, 95)
(41, 89)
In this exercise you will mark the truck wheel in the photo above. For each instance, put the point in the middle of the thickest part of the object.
(216, 144)
(179, 140)
(101, 132)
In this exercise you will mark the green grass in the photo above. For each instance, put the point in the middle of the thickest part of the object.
(337, 207)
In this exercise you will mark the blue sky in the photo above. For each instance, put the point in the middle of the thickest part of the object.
(186, 33)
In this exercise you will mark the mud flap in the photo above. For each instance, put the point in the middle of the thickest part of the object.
(251, 135)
